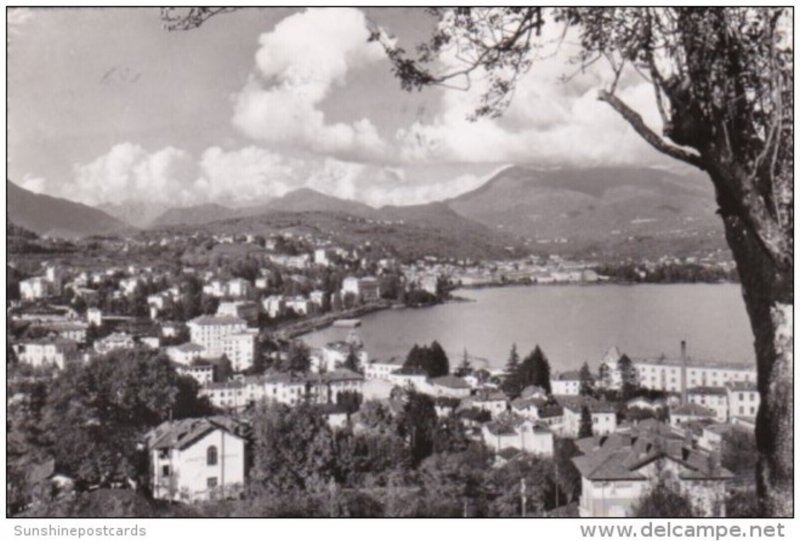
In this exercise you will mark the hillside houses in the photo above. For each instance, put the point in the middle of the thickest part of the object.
(567, 383)
(520, 434)
(616, 470)
(57, 352)
(197, 459)
(604, 415)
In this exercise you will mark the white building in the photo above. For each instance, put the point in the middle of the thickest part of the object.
(240, 349)
(366, 288)
(34, 288)
(493, 401)
(47, 352)
(617, 470)
(447, 386)
(300, 305)
(239, 288)
(604, 416)
(274, 306)
(715, 398)
(185, 354)
(376, 369)
(334, 354)
(566, 383)
(203, 374)
(197, 459)
(94, 316)
(209, 332)
(743, 399)
(247, 310)
(72, 330)
(690, 412)
(114, 341)
(522, 434)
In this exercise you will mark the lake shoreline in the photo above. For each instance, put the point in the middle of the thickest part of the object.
(572, 323)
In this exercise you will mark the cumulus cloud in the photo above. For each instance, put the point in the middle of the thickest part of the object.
(550, 121)
(33, 183)
(129, 171)
(244, 176)
(298, 64)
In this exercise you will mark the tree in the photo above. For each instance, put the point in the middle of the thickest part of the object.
(418, 425)
(96, 414)
(298, 358)
(587, 381)
(604, 375)
(293, 449)
(439, 363)
(627, 372)
(535, 370)
(739, 453)
(662, 501)
(567, 476)
(352, 362)
(585, 430)
(430, 359)
(511, 384)
(465, 368)
(722, 79)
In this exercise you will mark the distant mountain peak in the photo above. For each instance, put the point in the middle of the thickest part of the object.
(55, 216)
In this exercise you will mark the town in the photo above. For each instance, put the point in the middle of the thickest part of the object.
(186, 382)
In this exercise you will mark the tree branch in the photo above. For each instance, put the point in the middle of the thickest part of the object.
(637, 123)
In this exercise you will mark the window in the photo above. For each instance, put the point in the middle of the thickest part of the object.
(211, 482)
(211, 456)
(165, 471)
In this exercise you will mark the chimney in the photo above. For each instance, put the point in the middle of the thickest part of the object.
(683, 372)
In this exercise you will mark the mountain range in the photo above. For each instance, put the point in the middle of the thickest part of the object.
(565, 210)
(57, 217)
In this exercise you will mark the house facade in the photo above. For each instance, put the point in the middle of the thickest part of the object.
(617, 470)
(197, 459)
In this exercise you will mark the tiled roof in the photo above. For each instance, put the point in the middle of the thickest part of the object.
(742, 386)
(184, 432)
(572, 375)
(706, 390)
(450, 381)
(576, 403)
(217, 320)
(694, 409)
(188, 347)
(621, 456)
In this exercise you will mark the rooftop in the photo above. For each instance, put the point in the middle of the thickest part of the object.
(450, 381)
(742, 386)
(183, 433)
(622, 456)
(694, 409)
(217, 320)
(707, 390)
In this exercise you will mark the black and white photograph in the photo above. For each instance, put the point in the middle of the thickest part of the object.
(399, 262)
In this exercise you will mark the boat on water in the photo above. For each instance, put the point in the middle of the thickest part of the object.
(351, 323)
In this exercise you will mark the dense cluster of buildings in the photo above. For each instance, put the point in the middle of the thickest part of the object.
(205, 458)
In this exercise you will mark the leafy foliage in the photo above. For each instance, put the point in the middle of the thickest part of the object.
(432, 360)
(663, 501)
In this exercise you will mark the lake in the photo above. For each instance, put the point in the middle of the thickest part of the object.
(571, 323)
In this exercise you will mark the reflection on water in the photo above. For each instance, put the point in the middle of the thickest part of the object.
(572, 324)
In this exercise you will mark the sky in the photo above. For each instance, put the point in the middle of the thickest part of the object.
(105, 106)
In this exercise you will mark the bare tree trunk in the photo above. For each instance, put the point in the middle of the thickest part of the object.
(769, 297)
